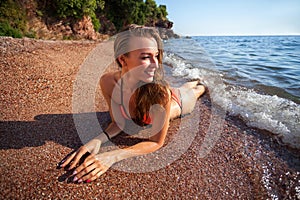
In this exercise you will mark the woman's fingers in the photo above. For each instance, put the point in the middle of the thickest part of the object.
(92, 173)
(93, 166)
(76, 158)
(67, 159)
(88, 171)
(93, 176)
(79, 156)
(83, 168)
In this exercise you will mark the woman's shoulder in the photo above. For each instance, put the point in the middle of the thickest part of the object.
(108, 81)
(110, 77)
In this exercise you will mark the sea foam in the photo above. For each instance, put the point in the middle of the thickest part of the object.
(277, 115)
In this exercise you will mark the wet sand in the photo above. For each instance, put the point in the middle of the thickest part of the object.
(37, 131)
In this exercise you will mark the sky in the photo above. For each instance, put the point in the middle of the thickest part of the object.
(234, 17)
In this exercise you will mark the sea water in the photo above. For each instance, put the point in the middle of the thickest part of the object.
(253, 77)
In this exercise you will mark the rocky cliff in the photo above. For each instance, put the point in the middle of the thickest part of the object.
(165, 29)
(43, 25)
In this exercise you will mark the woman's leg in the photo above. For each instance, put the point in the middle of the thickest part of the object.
(175, 108)
(189, 93)
(199, 90)
(190, 84)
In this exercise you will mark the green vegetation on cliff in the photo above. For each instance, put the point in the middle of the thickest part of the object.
(15, 14)
(12, 19)
(76, 9)
(124, 12)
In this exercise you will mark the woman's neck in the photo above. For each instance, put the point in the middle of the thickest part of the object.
(130, 83)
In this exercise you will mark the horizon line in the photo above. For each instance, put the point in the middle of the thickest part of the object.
(190, 35)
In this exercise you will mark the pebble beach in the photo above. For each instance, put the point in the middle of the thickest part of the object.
(37, 131)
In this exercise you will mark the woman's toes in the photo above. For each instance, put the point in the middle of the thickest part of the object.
(199, 90)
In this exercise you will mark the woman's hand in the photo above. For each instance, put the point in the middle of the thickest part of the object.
(73, 159)
(93, 167)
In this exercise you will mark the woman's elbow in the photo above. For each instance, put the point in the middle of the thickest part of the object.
(157, 145)
(157, 141)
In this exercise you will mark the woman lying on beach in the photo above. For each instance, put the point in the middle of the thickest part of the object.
(137, 92)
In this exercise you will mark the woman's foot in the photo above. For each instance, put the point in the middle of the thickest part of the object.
(193, 83)
(199, 90)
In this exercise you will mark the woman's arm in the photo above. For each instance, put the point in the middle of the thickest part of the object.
(159, 130)
(95, 166)
(107, 83)
(92, 147)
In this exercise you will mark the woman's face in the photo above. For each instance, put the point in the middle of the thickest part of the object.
(142, 60)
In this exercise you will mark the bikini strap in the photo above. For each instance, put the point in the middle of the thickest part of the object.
(121, 91)
(122, 105)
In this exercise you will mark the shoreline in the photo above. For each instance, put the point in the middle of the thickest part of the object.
(37, 131)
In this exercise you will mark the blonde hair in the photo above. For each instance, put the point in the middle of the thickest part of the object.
(147, 94)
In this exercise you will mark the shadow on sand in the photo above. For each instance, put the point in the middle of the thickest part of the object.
(59, 128)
